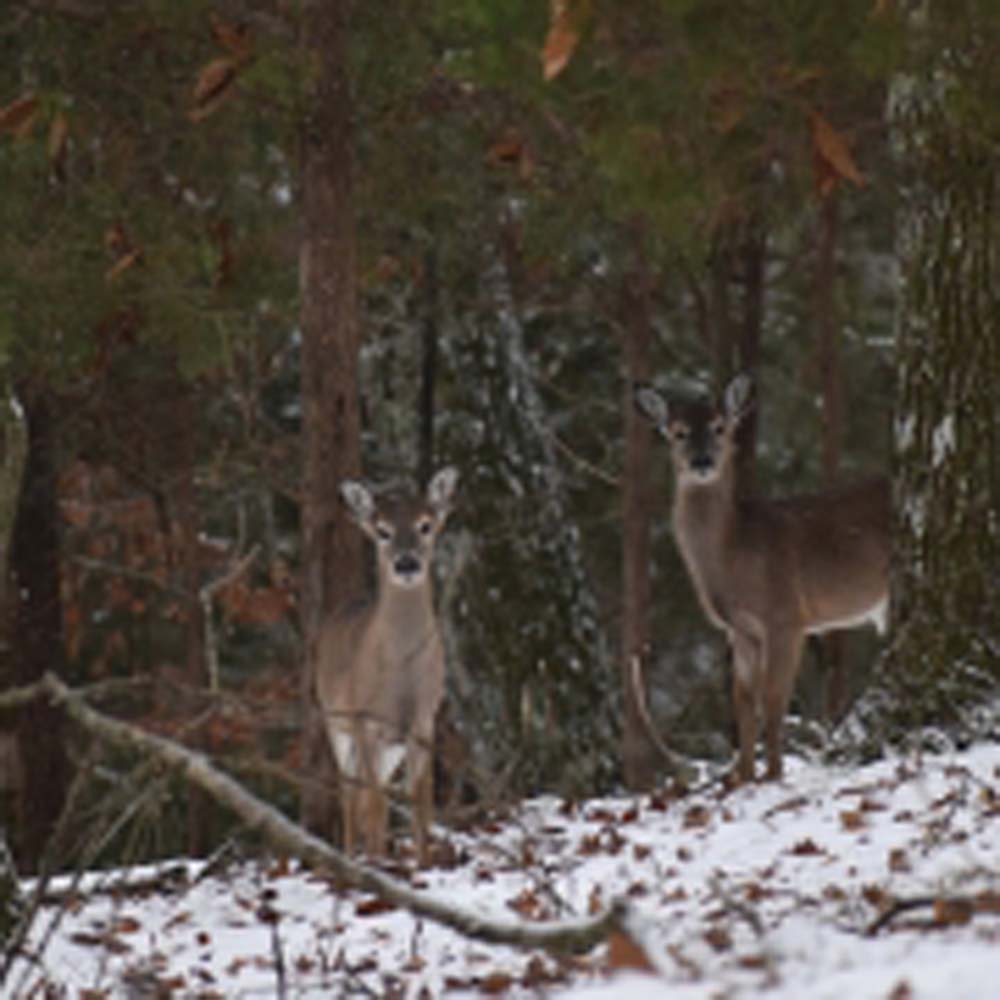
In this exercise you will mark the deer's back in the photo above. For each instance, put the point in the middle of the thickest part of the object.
(823, 558)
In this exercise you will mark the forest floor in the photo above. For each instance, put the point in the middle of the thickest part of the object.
(877, 881)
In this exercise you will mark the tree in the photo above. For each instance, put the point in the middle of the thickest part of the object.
(331, 548)
(945, 653)
(38, 637)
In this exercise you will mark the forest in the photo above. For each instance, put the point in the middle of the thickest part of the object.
(252, 250)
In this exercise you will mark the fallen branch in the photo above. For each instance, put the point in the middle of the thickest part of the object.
(946, 911)
(283, 834)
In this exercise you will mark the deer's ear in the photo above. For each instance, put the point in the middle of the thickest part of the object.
(441, 489)
(738, 397)
(651, 404)
(358, 500)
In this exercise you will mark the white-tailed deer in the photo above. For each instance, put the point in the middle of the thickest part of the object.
(380, 668)
(768, 572)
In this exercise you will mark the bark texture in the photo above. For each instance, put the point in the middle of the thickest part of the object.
(636, 507)
(38, 634)
(331, 548)
(945, 654)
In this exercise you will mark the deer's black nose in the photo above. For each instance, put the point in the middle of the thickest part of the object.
(701, 463)
(407, 564)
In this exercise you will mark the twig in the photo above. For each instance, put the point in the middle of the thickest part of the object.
(205, 596)
(674, 761)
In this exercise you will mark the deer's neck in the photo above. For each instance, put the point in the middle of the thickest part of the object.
(407, 616)
(704, 523)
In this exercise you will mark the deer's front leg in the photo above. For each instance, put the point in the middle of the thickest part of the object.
(783, 656)
(746, 680)
(420, 788)
(344, 737)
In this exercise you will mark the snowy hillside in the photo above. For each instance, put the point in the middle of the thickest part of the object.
(772, 890)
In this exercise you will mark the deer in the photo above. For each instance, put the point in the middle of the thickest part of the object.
(768, 572)
(381, 668)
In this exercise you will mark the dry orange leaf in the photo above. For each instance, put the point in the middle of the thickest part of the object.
(495, 982)
(952, 912)
(373, 906)
(123, 263)
(696, 816)
(718, 938)
(898, 860)
(562, 37)
(58, 133)
(833, 158)
(18, 116)
(852, 820)
(213, 86)
(234, 37)
(624, 952)
(805, 848)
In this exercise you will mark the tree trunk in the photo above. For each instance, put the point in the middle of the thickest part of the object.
(832, 426)
(636, 505)
(752, 255)
(180, 457)
(331, 548)
(428, 368)
(38, 636)
(945, 652)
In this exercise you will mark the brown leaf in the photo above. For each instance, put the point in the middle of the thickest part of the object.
(988, 901)
(953, 912)
(527, 904)
(624, 952)
(213, 87)
(123, 263)
(696, 816)
(562, 37)
(833, 158)
(58, 134)
(233, 36)
(852, 820)
(507, 150)
(901, 991)
(898, 860)
(495, 982)
(718, 938)
(805, 848)
(373, 906)
(18, 116)
(876, 896)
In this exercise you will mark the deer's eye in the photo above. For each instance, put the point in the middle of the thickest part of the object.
(718, 427)
(424, 526)
(383, 531)
(679, 432)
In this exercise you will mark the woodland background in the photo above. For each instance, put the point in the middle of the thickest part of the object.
(250, 248)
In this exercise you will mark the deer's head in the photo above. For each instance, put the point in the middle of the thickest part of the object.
(404, 528)
(701, 434)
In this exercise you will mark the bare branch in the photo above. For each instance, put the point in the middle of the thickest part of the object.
(205, 596)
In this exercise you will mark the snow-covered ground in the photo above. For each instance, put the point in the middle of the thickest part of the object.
(770, 890)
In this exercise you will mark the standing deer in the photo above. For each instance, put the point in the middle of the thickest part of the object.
(380, 669)
(768, 572)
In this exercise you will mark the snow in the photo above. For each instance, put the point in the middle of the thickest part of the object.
(943, 441)
(768, 890)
